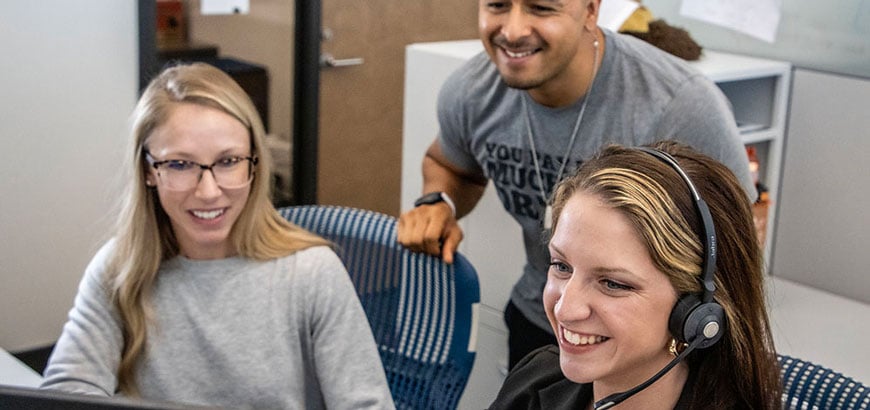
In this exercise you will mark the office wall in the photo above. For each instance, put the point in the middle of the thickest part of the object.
(68, 75)
(820, 35)
(264, 36)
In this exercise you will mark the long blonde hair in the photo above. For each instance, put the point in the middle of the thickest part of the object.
(144, 237)
(658, 204)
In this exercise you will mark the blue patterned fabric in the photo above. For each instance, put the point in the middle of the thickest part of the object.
(809, 386)
(421, 310)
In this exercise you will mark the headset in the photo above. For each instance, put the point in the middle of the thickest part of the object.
(697, 320)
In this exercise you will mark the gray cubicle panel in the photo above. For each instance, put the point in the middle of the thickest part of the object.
(823, 230)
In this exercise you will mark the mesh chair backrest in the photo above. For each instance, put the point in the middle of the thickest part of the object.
(809, 386)
(421, 310)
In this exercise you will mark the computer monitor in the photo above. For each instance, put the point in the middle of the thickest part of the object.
(25, 398)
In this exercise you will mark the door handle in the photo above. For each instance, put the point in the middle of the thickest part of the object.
(327, 60)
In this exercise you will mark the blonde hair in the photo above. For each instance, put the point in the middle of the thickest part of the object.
(144, 236)
(659, 206)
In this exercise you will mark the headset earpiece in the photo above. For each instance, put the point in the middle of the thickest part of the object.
(692, 318)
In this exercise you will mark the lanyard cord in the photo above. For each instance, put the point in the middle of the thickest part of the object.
(547, 214)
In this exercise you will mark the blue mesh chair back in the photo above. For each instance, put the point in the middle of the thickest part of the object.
(806, 385)
(421, 310)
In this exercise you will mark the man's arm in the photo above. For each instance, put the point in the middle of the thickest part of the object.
(433, 228)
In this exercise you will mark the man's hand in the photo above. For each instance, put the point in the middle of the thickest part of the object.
(431, 229)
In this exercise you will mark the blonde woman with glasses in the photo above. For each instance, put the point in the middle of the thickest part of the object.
(205, 295)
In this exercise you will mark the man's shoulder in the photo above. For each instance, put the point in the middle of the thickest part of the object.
(635, 54)
(477, 66)
(476, 73)
(475, 88)
(654, 74)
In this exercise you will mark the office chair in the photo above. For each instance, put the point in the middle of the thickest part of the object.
(806, 385)
(422, 311)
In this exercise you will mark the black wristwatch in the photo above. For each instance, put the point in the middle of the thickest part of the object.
(434, 198)
(429, 199)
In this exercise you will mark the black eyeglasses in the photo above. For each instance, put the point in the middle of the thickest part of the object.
(181, 175)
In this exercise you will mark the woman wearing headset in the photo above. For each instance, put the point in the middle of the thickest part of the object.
(655, 291)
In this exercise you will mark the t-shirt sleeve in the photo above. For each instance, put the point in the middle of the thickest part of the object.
(701, 116)
(347, 362)
(87, 354)
(454, 120)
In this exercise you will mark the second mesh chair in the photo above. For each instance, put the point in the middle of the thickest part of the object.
(808, 386)
(422, 311)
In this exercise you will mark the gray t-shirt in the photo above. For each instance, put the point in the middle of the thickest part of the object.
(287, 333)
(640, 95)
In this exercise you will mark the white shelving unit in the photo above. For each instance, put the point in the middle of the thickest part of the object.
(758, 90)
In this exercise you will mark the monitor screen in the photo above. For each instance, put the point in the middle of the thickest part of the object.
(13, 397)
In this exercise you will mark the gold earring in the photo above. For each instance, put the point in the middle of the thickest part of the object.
(676, 348)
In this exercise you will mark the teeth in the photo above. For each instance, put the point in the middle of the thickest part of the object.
(572, 337)
(577, 340)
(512, 54)
(208, 214)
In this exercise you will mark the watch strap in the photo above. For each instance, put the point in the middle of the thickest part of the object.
(434, 198)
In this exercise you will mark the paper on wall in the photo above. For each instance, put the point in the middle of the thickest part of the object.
(613, 13)
(224, 7)
(757, 18)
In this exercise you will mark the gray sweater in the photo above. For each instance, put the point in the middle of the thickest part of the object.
(285, 333)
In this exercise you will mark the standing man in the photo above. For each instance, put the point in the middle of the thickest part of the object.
(551, 90)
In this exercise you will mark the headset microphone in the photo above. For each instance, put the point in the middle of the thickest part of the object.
(617, 398)
(696, 319)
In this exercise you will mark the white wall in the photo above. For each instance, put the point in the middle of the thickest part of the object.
(68, 75)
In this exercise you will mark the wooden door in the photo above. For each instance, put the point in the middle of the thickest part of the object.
(360, 147)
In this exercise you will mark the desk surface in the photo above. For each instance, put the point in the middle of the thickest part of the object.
(15, 373)
(826, 329)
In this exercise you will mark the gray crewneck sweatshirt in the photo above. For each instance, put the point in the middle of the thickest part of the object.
(285, 333)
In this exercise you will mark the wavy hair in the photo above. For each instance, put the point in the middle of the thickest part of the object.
(144, 237)
(741, 370)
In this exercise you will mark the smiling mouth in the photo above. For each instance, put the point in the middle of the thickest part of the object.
(522, 54)
(519, 54)
(577, 339)
(208, 215)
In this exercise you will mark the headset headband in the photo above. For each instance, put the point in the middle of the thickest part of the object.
(708, 238)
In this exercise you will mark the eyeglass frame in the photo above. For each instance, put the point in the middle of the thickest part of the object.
(253, 159)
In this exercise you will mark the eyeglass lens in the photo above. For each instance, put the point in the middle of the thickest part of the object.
(232, 172)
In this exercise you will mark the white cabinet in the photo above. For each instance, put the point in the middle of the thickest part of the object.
(758, 90)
